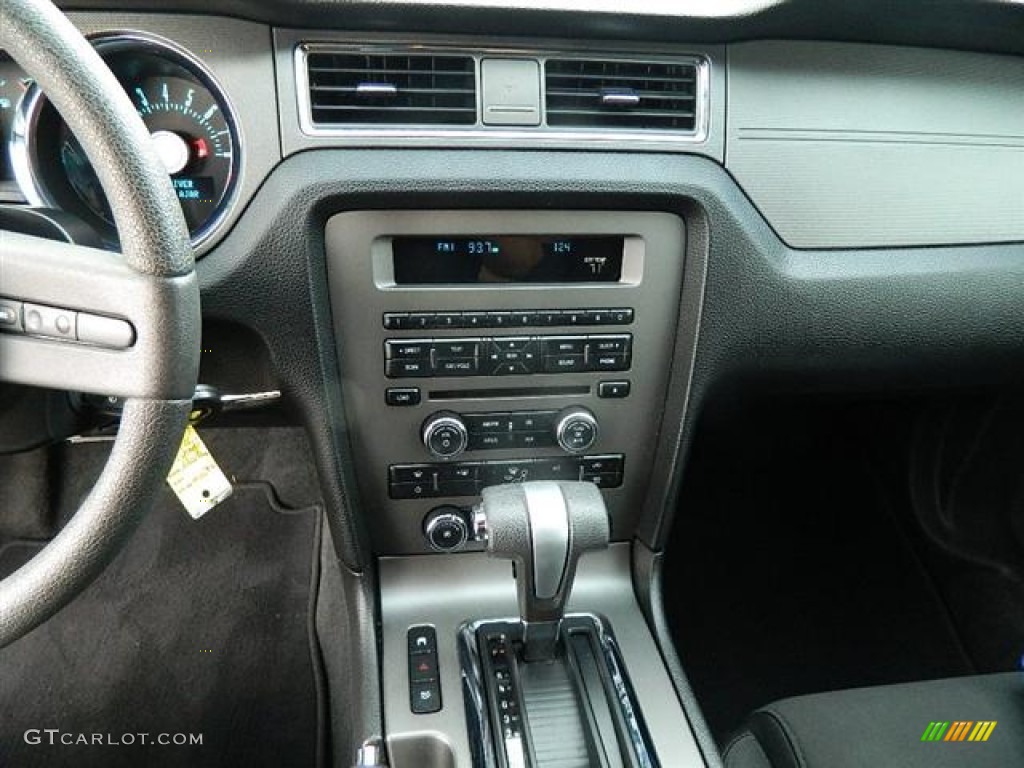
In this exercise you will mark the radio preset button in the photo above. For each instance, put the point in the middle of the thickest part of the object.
(420, 320)
(448, 320)
(623, 316)
(499, 319)
(396, 321)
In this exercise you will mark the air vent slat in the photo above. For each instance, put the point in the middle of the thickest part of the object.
(391, 89)
(595, 95)
(621, 95)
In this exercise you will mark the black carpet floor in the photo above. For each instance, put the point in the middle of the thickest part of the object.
(787, 573)
(198, 627)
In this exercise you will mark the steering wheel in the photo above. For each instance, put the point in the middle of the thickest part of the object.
(131, 321)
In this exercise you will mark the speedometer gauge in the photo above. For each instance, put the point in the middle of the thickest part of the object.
(189, 121)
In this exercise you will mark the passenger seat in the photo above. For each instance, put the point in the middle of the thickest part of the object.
(938, 724)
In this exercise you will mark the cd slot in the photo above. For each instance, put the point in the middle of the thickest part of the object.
(505, 393)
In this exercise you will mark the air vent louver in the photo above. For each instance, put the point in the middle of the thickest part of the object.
(625, 95)
(357, 88)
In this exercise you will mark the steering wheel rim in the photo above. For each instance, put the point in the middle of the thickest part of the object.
(151, 287)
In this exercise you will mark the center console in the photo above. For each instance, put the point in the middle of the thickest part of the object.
(505, 376)
(487, 347)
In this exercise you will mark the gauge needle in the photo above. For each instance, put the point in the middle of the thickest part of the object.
(172, 149)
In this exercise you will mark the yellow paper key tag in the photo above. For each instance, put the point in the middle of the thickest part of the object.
(195, 478)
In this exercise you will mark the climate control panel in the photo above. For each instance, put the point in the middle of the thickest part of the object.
(446, 434)
(466, 478)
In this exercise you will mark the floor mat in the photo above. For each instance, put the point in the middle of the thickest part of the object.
(197, 629)
(786, 573)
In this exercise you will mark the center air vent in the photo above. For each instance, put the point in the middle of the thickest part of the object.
(628, 95)
(419, 89)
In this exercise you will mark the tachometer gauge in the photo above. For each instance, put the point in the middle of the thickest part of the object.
(190, 124)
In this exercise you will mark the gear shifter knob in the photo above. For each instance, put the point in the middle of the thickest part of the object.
(543, 527)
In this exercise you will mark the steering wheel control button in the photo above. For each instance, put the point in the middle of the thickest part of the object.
(105, 331)
(402, 396)
(424, 674)
(50, 321)
(445, 435)
(576, 429)
(613, 389)
(10, 316)
(446, 529)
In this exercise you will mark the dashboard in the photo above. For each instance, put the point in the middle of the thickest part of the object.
(482, 248)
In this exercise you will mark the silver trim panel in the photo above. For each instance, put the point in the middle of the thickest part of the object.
(480, 131)
(447, 591)
(549, 536)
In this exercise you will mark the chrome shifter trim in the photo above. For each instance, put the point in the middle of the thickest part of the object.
(619, 689)
(549, 536)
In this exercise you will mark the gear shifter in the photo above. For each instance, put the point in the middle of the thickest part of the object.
(543, 527)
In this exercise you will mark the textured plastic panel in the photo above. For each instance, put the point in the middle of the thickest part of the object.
(844, 145)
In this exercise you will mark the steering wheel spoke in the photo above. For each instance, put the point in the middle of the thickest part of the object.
(81, 319)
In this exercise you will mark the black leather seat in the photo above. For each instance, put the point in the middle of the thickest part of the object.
(884, 726)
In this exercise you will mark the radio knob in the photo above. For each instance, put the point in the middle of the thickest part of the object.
(446, 529)
(576, 429)
(445, 435)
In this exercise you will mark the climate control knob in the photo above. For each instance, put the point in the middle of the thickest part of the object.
(445, 435)
(446, 529)
(576, 429)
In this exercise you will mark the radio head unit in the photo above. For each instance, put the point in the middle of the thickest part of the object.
(481, 347)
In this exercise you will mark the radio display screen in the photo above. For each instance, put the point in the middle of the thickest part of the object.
(507, 259)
